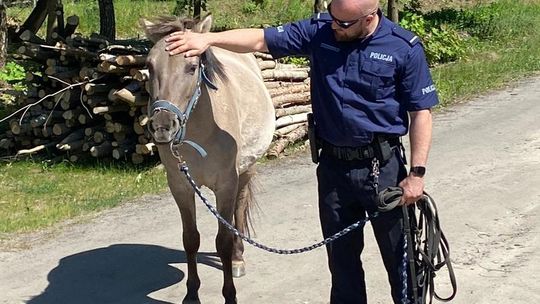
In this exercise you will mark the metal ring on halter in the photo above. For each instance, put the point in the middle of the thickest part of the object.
(175, 152)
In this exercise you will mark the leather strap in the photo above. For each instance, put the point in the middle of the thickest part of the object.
(428, 250)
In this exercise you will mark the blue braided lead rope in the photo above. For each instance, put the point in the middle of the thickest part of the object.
(404, 299)
(213, 210)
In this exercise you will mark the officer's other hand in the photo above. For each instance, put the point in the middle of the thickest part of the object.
(413, 189)
(189, 43)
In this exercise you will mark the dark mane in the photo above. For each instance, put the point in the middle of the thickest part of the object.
(165, 25)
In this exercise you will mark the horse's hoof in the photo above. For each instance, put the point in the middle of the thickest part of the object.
(238, 269)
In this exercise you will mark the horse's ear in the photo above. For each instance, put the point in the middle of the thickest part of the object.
(147, 25)
(205, 24)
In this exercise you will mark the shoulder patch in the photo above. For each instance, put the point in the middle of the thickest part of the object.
(321, 17)
(406, 35)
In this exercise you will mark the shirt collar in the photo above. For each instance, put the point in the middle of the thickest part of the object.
(383, 28)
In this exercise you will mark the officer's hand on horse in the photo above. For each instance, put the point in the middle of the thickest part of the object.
(189, 43)
(413, 189)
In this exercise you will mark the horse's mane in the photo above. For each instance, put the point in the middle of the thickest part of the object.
(165, 25)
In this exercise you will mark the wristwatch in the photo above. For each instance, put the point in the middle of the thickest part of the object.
(419, 171)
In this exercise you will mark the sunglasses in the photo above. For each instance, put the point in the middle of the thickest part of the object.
(347, 24)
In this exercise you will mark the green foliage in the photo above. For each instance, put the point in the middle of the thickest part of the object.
(296, 60)
(442, 42)
(12, 72)
(491, 63)
(13, 75)
(182, 7)
(480, 21)
(249, 7)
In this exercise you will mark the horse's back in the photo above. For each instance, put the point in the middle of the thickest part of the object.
(245, 90)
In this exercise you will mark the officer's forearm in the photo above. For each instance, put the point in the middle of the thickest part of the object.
(240, 40)
(420, 136)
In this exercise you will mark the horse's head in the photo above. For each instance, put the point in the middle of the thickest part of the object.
(175, 81)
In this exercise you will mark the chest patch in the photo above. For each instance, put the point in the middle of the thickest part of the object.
(380, 56)
(330, 47)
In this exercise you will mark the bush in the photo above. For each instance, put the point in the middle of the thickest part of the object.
(480, 21)
(442, 42)
(12, 73)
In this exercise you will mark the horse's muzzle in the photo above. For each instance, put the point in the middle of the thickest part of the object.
(163, 126)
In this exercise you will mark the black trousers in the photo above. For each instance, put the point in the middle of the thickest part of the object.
(346, 193)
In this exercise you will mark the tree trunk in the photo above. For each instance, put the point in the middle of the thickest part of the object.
(318, 7)
(393, 12)
(107, 23)
(3, 34)
(197, 8)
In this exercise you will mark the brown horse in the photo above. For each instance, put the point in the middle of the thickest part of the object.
(232, 122)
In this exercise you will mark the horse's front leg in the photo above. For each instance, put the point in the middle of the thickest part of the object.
(185, 200)
(226, 200)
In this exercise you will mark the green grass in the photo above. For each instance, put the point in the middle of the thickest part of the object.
(513, 53)
(35, 194)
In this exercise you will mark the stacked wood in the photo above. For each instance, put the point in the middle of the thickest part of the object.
(93, 98)
(289, 88)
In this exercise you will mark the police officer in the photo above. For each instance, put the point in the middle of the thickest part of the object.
(370, 84)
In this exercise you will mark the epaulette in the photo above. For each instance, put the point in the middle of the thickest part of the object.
(406, 35)
(321, 17)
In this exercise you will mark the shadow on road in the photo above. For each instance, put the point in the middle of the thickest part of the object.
(124, 273)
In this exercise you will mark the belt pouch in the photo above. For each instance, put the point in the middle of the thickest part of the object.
(383, 151)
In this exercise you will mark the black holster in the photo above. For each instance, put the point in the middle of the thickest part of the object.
(383, 148)
(314, 145)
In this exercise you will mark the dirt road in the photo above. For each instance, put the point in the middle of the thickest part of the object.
(484, 173)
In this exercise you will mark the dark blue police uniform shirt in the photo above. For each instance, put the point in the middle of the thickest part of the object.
(358, 88)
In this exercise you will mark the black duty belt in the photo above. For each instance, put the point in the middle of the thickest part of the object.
(356, 153)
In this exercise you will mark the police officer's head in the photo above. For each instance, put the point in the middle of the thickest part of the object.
(353, 19)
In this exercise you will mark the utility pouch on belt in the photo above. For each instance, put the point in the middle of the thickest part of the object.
(382, 147)
(313, 146)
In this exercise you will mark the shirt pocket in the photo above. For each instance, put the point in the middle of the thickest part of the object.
(329, 59)
(376, 80)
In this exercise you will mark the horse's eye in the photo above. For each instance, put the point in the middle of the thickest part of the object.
(191, 69)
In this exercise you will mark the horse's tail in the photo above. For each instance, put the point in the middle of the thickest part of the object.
(246, 205)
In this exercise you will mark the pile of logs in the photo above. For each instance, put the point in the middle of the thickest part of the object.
(289, 88)
(90, 100)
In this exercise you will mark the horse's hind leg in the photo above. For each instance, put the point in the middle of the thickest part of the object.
(244, 201)
(191, 238)
(225, 198)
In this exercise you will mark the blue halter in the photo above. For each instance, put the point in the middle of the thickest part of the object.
(183, 117)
